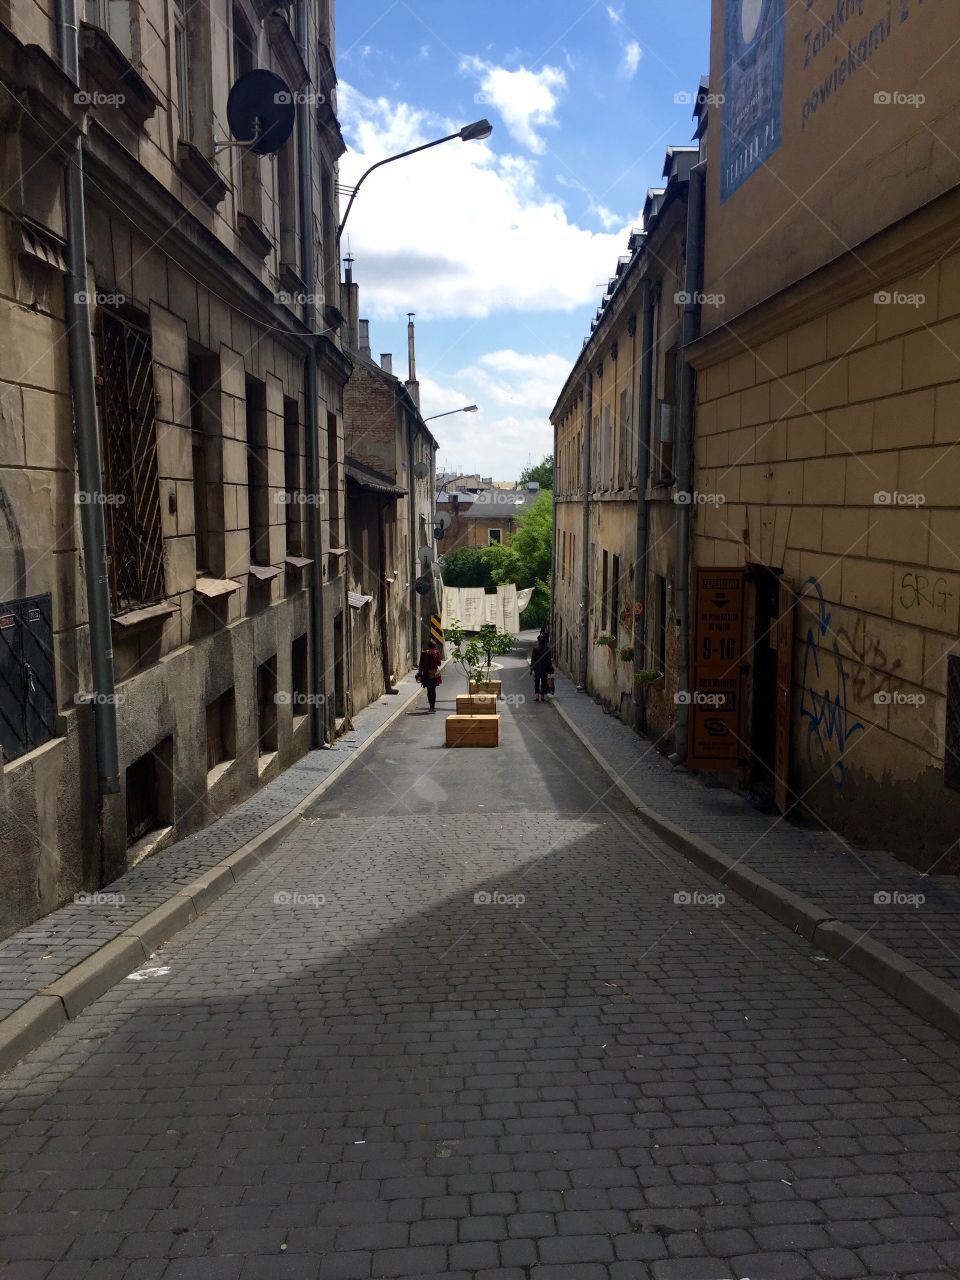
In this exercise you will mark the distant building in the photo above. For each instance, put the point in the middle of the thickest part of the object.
(390, 460)
(490, 516)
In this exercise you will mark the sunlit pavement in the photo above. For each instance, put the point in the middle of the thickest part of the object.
(471, 1020)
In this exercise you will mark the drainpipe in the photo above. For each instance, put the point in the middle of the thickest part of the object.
(310, 381)
(382, 588)
(412, 431)
(89, 476)
(643, 472)
(585, 533)
(690, 331)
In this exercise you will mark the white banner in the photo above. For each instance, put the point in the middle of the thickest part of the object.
(472, 608)
(511, 614)
(451, 606)
(523, 598)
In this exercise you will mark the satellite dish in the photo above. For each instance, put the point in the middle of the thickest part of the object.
(261, 112)
(421, 470)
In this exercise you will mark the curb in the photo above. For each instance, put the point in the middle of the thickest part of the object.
(906, 981)
(45, 1013)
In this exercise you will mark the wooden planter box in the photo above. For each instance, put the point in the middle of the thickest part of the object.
(473, 731)
(487, 686)
(476, 704)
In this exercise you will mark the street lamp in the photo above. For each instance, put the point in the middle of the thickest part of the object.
(467, 408)
(476, 132)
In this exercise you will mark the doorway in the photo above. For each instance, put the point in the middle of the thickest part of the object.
(763, 723)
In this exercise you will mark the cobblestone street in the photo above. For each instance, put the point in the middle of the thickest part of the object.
(459, 1025)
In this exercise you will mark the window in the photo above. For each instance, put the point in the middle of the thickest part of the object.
(149, 793)
(116, 19)
(615, 598)
(128, 410)
(287, 205)
(198, 377)
(292, 471)
(563, 554)
(247, 172)
(951, 744)
(299, 676)
(494, 537)
(333, 480)
(28, 697)
(668, 416)
(258, 489)
(626, 442)
(221, 730)
(660, 639)
(181, 48)
(267, 707)
(604, 590)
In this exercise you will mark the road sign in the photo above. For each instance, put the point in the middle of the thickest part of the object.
(714, 737)
(436, 630)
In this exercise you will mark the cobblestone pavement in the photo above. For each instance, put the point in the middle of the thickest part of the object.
(460, 1026)
(816, 864)
(36, 956)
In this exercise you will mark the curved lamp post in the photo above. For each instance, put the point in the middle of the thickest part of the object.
(467, 408)
(475, 132)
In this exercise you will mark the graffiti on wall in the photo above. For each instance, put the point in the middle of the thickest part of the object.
(830, 725)
(875, 673)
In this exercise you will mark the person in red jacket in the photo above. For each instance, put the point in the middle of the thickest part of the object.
(428, 672)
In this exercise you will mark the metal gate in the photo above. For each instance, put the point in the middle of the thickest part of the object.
(128, 416)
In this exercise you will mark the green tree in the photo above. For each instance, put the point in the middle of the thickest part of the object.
(468, 567)
(542, 473)
(528, 557)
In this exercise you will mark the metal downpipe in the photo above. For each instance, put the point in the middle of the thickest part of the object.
(89, 474)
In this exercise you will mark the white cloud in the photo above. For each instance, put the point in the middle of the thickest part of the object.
(527, 100)
(460, 230)
(631, 59)
(515, 392)
(607, 218)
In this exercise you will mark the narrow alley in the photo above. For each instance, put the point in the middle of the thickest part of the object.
(472, 1021)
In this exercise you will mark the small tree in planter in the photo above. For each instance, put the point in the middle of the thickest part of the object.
(475, 654)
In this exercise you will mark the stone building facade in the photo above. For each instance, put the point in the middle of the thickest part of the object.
(615, 545)
(390, 460)
(214, 351)
(828, 415)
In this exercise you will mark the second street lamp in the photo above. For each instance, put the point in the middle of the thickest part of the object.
(467, 408)
(476, 132)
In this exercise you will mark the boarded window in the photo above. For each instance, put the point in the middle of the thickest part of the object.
(28, 703)
(951, 753)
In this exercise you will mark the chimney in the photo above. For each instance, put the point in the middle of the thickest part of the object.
(350, 305)
(386, 362)
(364, 347)
(413, 386)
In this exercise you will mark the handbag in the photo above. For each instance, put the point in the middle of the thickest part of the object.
(550, 684)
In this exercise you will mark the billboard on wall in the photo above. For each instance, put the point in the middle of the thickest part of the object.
(752, 107)
(831, 120)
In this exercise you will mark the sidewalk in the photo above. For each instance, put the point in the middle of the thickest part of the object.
(883, 940)
(51, 949)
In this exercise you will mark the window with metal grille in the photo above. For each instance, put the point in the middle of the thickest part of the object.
(128, 418)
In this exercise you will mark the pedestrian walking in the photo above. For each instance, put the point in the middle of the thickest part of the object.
(541, 667)
(428, 672)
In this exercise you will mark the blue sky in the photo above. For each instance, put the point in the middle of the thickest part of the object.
(502, 248)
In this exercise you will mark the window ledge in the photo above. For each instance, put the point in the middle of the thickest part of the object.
(297, 562)
(107, 63)
(213, 588)
(253, 235)
(149, 615)
(264, 572)
(201, 174)
(217, 772)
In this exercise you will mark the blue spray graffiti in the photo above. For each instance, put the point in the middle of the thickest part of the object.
(829, 727)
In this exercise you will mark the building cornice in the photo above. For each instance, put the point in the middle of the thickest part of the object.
(919, 240)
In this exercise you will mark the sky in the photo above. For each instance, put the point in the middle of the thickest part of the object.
(503, 248)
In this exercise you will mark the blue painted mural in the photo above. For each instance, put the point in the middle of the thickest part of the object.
(830, 725)
(752, 115)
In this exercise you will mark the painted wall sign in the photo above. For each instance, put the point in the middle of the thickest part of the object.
(715, 699)
(752, 114)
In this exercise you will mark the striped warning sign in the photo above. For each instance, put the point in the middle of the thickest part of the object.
(436, 630)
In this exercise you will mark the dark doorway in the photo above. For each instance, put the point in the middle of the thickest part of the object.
(763, 727)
